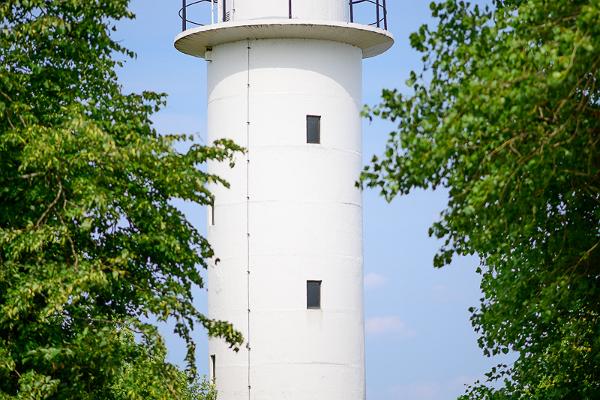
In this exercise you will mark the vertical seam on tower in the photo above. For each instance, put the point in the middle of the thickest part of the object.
(248, 210)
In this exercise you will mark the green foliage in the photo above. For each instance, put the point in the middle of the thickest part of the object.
(145, 375)
(91, 246)
(506, 115)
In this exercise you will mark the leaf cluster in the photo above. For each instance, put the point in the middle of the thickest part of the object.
(506, 115)
(91, 245)
(145, 375)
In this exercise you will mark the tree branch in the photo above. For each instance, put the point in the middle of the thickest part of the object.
(51, 206)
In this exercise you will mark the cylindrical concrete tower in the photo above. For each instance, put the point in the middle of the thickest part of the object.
(284, 81)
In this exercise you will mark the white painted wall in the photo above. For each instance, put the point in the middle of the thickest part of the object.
(303, 214)
(336, 10)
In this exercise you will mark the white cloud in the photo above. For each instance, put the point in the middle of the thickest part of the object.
(388, 325)
(374, 280)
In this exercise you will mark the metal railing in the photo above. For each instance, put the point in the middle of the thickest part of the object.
(380, 12)
(183, 12)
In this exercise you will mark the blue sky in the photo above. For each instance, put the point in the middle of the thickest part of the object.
(420, 344)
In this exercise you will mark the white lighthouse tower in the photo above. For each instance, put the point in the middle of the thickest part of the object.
(284, 81)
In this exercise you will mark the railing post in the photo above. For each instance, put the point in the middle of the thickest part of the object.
(384, 16)
(183, 15)
(290, 9)
(224, 10)
(351, 10)
(377, 8)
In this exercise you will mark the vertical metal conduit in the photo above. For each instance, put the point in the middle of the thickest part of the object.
(248, 344)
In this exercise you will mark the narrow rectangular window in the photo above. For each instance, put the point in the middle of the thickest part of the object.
(213, 368)
(211, 208)
(313, 294)
(313, 129)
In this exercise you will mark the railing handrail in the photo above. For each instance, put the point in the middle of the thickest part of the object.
(380, 11)
(183, 12)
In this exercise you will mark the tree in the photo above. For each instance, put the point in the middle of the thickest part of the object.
(91, 246)
(505, 115)
(137, 379)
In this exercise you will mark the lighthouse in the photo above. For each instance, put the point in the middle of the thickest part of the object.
(284, 82)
